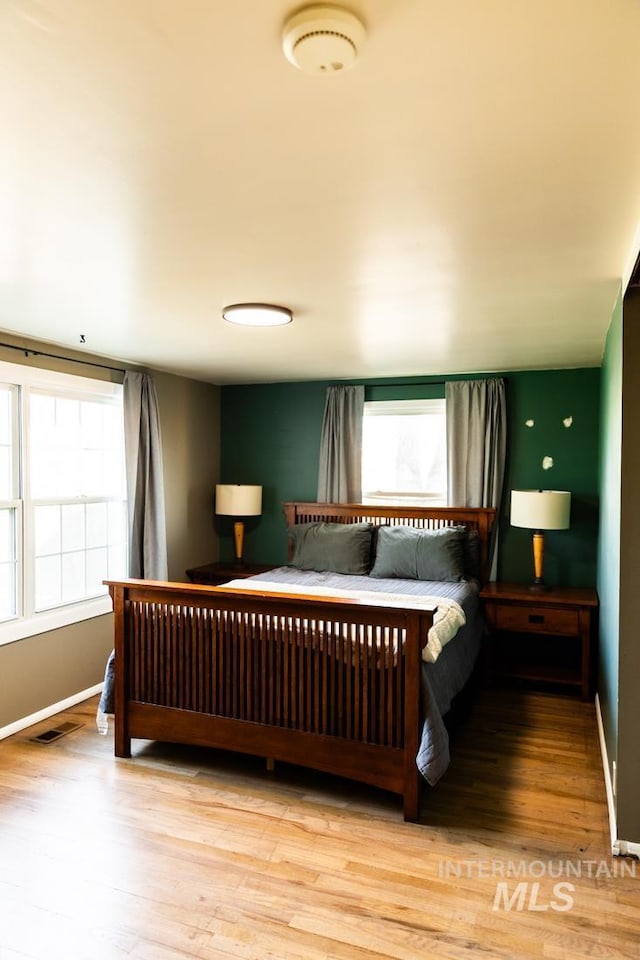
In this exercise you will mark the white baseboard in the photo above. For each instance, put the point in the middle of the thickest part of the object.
(619, 848)
(46, 712)
(611, 806)
(626, 848)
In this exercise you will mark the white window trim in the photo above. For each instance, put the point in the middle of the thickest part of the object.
(22, 627)
(12, 630)
(437, 406)
(39, 377)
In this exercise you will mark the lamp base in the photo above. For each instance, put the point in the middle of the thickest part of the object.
(538, 585)
(238, 537)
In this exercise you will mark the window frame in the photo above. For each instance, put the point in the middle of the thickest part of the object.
(28, 622)
(430, 406)
(14, 503)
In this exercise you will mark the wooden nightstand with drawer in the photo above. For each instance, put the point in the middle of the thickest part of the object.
(221, 571)
(546, 636)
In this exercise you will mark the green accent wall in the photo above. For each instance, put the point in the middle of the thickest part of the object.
(610, 470)
(546, 399)
(270, 434)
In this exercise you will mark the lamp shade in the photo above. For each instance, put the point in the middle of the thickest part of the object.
(540, 509)
(238, 500)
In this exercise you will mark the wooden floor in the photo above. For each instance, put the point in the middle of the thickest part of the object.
(182, 853)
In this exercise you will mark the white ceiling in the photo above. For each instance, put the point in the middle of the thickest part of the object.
(465, 199)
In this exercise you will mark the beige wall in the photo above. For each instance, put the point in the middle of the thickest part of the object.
(190, 417)
(39, 671)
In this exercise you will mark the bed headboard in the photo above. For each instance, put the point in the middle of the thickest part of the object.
(427, 518)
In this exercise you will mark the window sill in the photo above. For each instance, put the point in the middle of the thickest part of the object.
(14, 630)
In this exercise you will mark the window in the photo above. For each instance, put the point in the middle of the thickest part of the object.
(404, 452)
(10, 505)
(62, 498)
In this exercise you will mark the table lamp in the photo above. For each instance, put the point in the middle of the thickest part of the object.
(238, 500)
(540, 510)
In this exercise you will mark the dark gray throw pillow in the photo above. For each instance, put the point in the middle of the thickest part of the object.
(336, 547)
(472, 551)
(472, 555)
(414, 554)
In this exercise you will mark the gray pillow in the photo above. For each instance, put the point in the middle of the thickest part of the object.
(472, 565)
(337, 547)
(415, 554)
(471, 551)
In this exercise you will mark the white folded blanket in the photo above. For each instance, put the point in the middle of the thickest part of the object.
(447, 619)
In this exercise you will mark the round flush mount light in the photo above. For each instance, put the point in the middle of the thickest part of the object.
(323, 39)
(257, 315)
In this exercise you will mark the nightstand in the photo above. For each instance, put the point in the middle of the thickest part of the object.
(544, 636)
(222, 571)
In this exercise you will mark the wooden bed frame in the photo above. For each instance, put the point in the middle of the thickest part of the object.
(287, 677)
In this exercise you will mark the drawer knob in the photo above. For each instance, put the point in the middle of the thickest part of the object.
(536, 618)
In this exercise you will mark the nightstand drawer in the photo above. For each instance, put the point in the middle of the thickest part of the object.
(532, 619)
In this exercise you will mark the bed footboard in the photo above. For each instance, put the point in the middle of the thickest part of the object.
(332, 684)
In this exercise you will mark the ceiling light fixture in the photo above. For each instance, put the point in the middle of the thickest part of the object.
(323, 39)
(257, 314)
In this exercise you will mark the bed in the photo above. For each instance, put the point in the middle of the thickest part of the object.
(348, 669)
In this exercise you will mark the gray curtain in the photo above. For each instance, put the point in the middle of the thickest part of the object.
(145, 483)
(339, 473)
(145, 495)
(476, 446)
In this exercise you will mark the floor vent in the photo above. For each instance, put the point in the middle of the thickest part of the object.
(48, 736)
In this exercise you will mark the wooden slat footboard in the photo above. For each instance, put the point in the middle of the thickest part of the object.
(331, 684)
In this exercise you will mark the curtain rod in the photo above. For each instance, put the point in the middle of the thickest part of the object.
(28, 352)
(413, 383)
(456, 378)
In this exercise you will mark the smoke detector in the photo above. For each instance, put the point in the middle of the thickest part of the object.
(323, 39)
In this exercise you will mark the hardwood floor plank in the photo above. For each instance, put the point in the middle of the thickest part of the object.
(188, 853)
